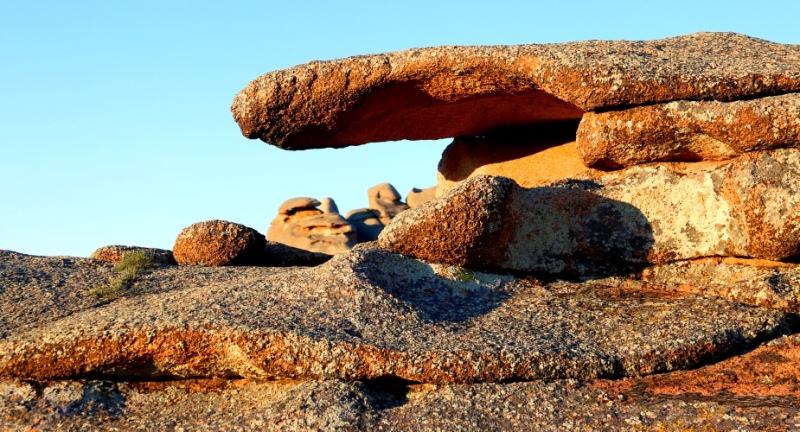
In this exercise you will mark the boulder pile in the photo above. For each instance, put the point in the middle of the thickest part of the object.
(613, 245)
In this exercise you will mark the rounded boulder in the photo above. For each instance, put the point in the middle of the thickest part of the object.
(218, 243)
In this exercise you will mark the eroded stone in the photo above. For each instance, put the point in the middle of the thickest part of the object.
(302, 225)
(218, 243)
(371, 314)
(444, 92)
(643, 215)
(688, 131)
(115, 253)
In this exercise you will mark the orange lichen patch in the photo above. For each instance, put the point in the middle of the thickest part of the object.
(770, 370)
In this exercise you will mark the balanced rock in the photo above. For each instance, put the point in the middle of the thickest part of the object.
(367, 222)
(417, 196)
(651, 214)
(218, 243)
(387, 201)
(549, 154)
(328, 205)
(688, 131)
(301, 224)
(115, 253)
(444, 92)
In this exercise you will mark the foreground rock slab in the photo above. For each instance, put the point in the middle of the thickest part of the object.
(372, 314)
(759, 390)
(600, 224)
(443, 92)
(688, 131)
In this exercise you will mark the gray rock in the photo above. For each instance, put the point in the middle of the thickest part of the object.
(385, 199)
(451, 91)
(367, 222)
(115, 253)
(302, 225)
(372, 314)
(651, 214)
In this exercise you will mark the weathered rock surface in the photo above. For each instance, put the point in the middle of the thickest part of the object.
(302, 225)
(442, 92)
(115, 253)
(281, 255)
(418, 196)
(371, 314)
(367, 222)
(688, 131)
(531, 161)
(218, 243)
(328, 205)
(387, 201)
(769, 284)
(646, 214)
(755, 391)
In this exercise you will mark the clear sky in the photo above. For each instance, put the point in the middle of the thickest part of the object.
(114, 115)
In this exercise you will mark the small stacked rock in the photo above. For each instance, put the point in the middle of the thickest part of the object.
(218, 243)
(301, 224)
(384, 204)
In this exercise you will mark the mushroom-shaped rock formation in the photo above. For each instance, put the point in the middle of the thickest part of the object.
(385, 199)
(301, 224)
(453, 91)
(367, 223)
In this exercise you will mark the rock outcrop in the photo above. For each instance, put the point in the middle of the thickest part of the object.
(548, 155)
(218, 243)
(369, 314)
(417, 196)
(446, 92)
(688, 131)
(367, 223)
(385, 199)
(550, 295)
(651, 214)
(301, 224)
(115, 253)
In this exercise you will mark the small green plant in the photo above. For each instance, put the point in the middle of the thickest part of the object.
(458, 273)
(129, 268)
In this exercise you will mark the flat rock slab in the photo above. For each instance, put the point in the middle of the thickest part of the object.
(758, 283)
(759, 390)
(688, 131)
(603, 223)
(371, 314)
(451, 91)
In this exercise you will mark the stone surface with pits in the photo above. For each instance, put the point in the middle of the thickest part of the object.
(649, 214)
(372, 314)
(451, 91)
(688, 131)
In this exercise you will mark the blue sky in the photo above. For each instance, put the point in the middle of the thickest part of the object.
(114, 116)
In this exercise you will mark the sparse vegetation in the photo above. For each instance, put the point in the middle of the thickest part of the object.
(457, 273)
(128, 270)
